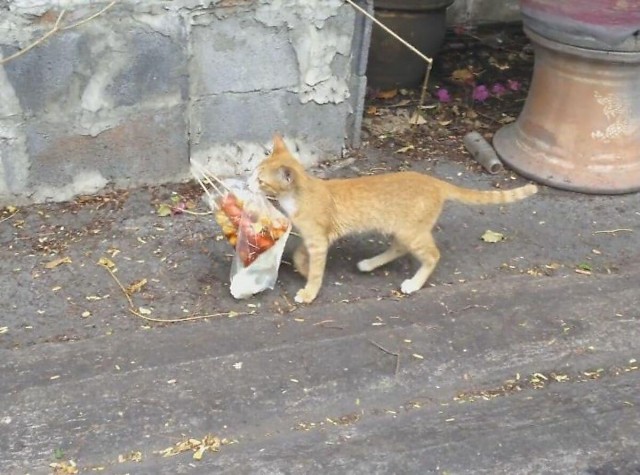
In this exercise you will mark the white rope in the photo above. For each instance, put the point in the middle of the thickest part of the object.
(388, 30)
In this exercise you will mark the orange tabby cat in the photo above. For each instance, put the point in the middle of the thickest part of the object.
(405, 205)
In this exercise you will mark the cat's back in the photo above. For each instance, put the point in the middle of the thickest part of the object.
(406, 183)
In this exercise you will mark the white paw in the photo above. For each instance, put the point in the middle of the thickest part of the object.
(409, 287)
(304, 296)
(365, 265)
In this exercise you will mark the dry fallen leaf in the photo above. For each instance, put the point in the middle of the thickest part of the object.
(144, 311)
(390, 94)
(492, 236)
(136, 286)
(417, 119)
(106, 262)
(163, 210)
(135, 456)
(56, 262)
(405, 149)
(462, 75)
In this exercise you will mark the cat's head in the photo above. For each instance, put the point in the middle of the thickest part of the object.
(280, 173)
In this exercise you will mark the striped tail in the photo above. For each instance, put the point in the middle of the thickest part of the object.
(477, 197)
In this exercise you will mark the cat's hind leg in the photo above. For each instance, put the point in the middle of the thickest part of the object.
(395, 250)
(424, 248)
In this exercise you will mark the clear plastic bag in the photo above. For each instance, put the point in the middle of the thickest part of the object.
(258, 231)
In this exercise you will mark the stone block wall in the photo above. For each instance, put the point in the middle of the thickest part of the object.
(131, 96)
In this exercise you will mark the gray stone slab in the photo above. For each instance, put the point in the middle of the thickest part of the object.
(239, 54)
(232, 118)
(157, 68)
(145, 147)
(47, 76)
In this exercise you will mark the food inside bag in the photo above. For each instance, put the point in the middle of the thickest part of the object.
(254, 227)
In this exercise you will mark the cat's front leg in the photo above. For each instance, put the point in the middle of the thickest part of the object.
(301, 260)
(317, 252)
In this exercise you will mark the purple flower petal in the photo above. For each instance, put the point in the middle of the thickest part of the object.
(513, 84)
(480, 93)
(498, 89)
(443, 95)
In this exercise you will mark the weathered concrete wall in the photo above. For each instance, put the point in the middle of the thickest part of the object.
(129, 97)
(476, 12)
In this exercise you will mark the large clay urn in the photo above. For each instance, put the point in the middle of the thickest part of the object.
(422, 23)
(580, 125)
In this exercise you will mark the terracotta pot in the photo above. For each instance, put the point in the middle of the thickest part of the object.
(580, 126)
(420, 22)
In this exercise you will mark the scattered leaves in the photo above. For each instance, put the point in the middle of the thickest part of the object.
(209, 443)
(64, 468)
(56, 262)
(134, 456)
(492, 236)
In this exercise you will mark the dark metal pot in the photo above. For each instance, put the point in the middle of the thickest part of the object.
(422, 23)
(580, 126)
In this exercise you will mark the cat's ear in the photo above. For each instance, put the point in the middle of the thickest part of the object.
(278, 143)
(286, 174)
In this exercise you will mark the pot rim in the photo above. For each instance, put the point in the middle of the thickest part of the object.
(595, 54)
(411, 5)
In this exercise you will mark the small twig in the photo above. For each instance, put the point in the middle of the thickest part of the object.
(166, 320)
(194, 213)
(11, 216)
(124, 290)
(467, 308)
(389, 352)
(212, 200)
(388, 30)
(52, 31)
(613, 231)
(56, 28)
(204, 178)
(323, 323)
(186, 319)
(97, 14)
(405, 43)
(423, 94)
